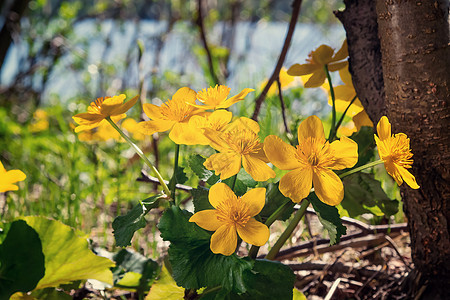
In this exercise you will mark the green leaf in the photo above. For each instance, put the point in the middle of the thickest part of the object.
(329, 217)
(196, 164)
(133, 270)
(165, 288)
(274, 200)
(67, 255)
(366, 145)
(21, 260)
(200, 199)
(195, 266)
(363, 194)
(180, 176)
(50, 294)
(125, 226)
(243, 182)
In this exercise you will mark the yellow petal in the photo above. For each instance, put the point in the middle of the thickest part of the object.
(297, 184)
(215, 140)
(337, 66)
(227, 103)
(219, 193)
(89, 126)
(110, 105)
(255, 200)
(126, 106)
(152, 111)
(15, 175)
(311, 127)
(257, 168)
(317, 79)
(220, 117)
(328, 187)
(322, 55)
(226, 164)
(345, 153)
(246, 123)
(305, 69)
(185, 94)
(183, 133)
(150, 127)
(384, 128)
(4, 187)
(342, 53)
(408, 177)
(254, 232)
(281, 154)
(87, 118)
(206, 219)
(224, 240)
(346, 77)
(2, 168)
(344, 92)
(362, 119)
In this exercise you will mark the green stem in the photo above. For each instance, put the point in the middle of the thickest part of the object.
(355, 170)
(142, 155)
(173, 182)
(343, 115)
(272, 218)
(333, 100)
(288, 231)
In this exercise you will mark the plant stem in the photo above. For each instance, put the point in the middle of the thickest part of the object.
(288, 231)
(173, 182)
(141, 154)
(333, 112)
(355, 170)
(343, 115)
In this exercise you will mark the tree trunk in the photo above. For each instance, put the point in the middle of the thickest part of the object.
(415, 68)
(415, 58)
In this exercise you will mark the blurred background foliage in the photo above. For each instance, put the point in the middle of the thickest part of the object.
(63, 54)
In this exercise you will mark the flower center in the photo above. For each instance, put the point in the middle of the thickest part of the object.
(233, 211)
(315, 153)
(176, 110)
(213, 96)
(399, 153)
(243, 141)
(96, 106)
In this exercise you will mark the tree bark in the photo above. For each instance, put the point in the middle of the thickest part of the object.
(414, 39)
(360, 22)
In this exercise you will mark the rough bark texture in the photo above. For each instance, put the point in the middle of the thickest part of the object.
(414, 39)
(360, 22)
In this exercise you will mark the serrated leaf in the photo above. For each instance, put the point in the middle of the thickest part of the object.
(200, 199)
(133, 270)
(21, 259)
(165, 288)
(67, 256)
(330, 219)
(363, 194)
(196, 164)
(125, 226)
(274, 200)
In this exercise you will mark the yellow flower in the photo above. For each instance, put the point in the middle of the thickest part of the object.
(132, 127)
(102, 108)
(193, 134)
(216, 97)
(286, 80)
(40, 121)
(238, 144)
(103, 133)
(172, 115)
(8, 178)
(311, 162)
(395, 152)
(317, 60)
(233, 216)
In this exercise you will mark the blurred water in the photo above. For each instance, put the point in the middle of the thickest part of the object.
(253, 57)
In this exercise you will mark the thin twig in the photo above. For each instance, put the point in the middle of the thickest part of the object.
(332, 289)
(201, 27)
(393, 245)
(147, 178)
(276, 73)
(283, 107)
